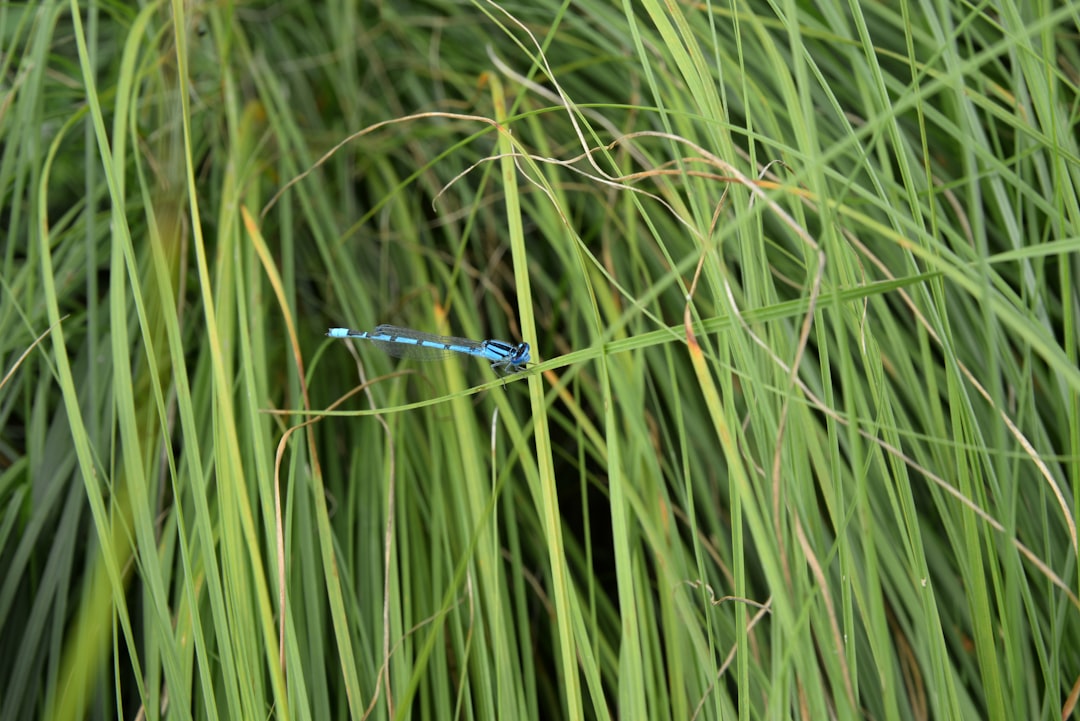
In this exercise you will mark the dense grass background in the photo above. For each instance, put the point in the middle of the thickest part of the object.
(803, 435)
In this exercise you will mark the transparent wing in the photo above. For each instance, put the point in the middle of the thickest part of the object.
(408, 343)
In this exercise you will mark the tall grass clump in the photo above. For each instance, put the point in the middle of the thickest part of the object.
(800, 437)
